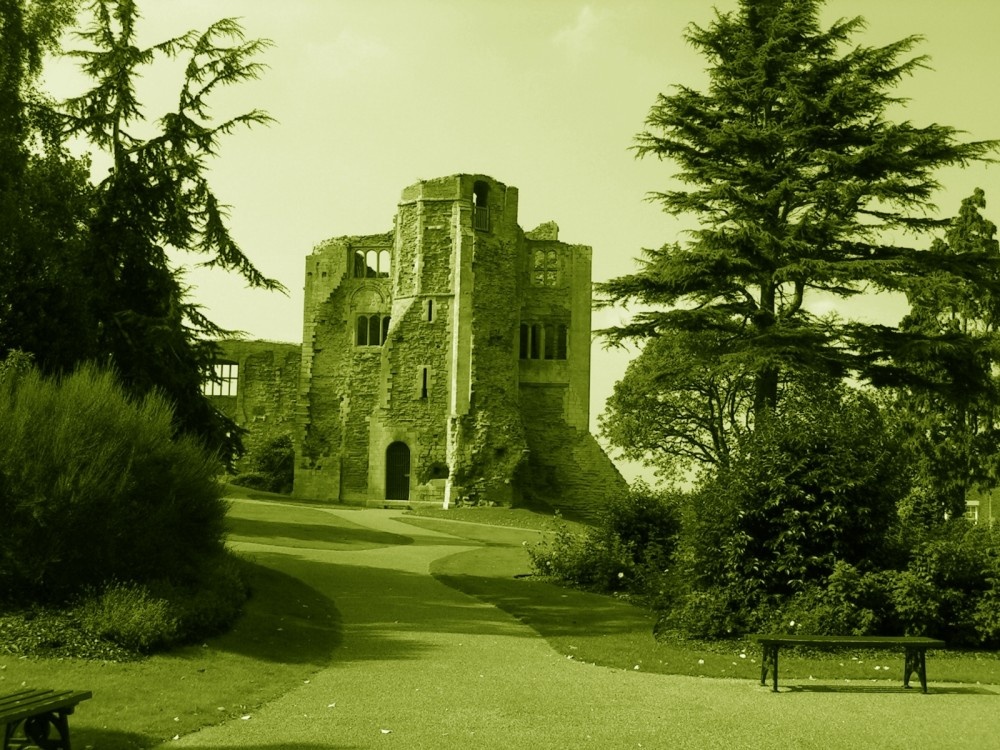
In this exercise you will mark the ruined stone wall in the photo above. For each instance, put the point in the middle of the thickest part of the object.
(481, 422)
(339, 380)
(493, 433)
(266, 390)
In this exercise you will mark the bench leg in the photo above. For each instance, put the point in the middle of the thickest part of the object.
(916, 661)
(36, 732)
(769, 661)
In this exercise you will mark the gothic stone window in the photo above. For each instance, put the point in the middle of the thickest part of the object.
(371, 329)
(224, 380)
(543, 341)
(544, 268)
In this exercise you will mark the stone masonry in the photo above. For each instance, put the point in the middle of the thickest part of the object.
(448, 360)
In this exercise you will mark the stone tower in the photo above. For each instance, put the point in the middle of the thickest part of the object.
(449, 359)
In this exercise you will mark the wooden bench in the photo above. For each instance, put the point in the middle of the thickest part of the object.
(914, 646)
(37, 712)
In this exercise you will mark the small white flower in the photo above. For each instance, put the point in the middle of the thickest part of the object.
(743, 656)
(621, 575)
(701, 661)
(792, 623)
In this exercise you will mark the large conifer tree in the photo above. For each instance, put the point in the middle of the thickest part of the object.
(801, 182)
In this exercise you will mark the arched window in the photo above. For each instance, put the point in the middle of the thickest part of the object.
(481, 206)
(371, 329)
(383, 264)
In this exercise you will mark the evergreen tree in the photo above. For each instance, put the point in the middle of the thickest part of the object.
(798, 178)
(954, 431)
(44, 198)
(156, 198)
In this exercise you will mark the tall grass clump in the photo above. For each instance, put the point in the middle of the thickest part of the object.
(98, 494)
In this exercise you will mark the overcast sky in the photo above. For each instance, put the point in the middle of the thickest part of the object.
(544, 95)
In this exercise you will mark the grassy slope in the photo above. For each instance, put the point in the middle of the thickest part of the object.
(287, 633)
(290, 632)
(611, 632)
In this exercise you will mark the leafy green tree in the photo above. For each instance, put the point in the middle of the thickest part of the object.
(677, 407)
(157, 198)
(815, 485)
(798, 177)
(954, 430)
(44, 198)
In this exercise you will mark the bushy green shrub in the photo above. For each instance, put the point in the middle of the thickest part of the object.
(268, 466)
(951, 585)
(95, 486)
(128, 615)
(849, 602)
(815, 484)
(628, 549)
(584, 560)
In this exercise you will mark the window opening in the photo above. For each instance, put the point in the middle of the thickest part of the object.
(545, 268)
(423, 382)
(371, 264)
(224, 380)
(371, 330)
(543, 341)
(430, 311)
(480, 206)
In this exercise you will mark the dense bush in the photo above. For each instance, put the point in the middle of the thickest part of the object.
(951, 585)
(268, 466)
(629, 548)
(142, 618)
(96, 487)
(815, 485)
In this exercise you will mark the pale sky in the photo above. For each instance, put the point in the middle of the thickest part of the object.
(545, 95)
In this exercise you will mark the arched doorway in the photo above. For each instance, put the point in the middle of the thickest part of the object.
(397, 471)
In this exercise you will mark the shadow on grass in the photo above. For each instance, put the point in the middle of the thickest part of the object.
(286, 621)
(333, 535)
(551, 610)
(875, 689)
(387, 609)
(108, 739)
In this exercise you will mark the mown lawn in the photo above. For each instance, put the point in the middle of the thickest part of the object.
(611, 632)
(290, 632)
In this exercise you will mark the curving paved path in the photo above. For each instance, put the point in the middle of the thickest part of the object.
(410, 674)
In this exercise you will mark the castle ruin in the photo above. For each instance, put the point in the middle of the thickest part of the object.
(448, 359)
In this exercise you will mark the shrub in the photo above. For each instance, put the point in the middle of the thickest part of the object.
(269, 466)
(951, 585)
(128, 615)
(582, 560)
(95, 487)
(815, 484)
(628, 549)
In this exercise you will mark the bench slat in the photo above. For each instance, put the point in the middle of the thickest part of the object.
(26, 703)
(850, 640)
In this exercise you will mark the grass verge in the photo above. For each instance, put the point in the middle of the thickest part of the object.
(609, 631)
(286, 634)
